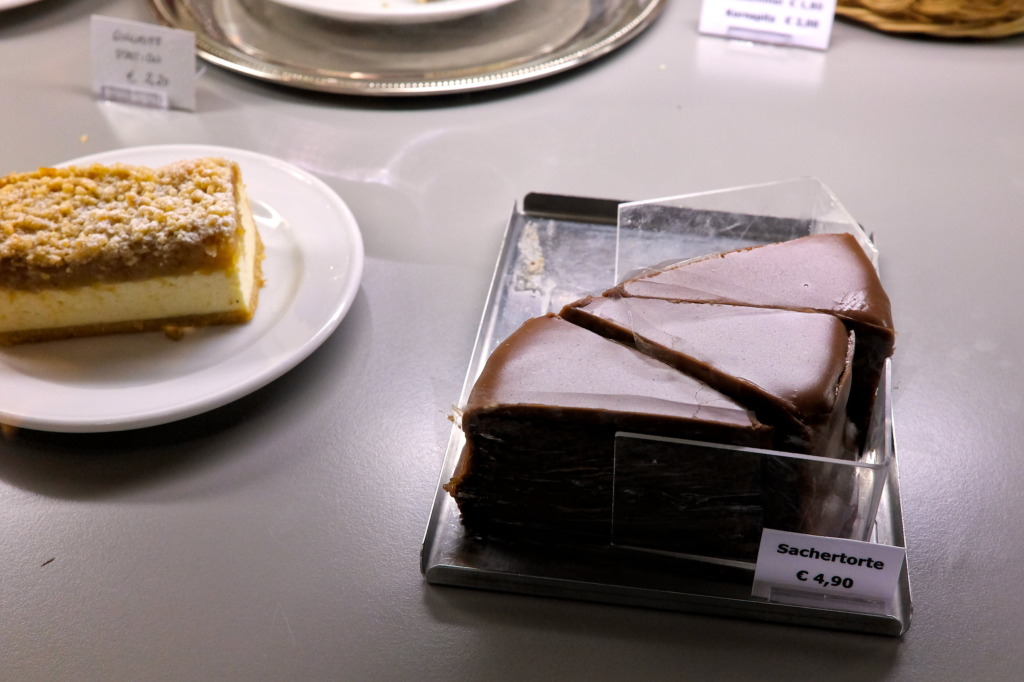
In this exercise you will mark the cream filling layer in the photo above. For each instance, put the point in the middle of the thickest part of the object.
(149, 299)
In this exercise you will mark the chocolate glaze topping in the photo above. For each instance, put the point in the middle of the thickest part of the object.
(823, 272)
(789, 367)
(551, 362)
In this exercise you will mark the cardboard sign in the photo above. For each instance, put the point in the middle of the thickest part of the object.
(792, 566)
(798, 23)
(143, 64)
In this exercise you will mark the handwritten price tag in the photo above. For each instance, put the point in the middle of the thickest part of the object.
(143, 64)
(792, 565)
(800, 23)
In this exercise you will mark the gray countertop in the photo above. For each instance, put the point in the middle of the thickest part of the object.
(278, 537)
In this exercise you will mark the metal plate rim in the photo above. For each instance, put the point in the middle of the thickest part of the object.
(608, 39)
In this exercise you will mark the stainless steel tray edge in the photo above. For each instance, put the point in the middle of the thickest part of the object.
(455, 439)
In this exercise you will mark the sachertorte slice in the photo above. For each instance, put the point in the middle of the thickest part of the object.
(540, 427)
(828, 273)
(108, 249)
(792, 368)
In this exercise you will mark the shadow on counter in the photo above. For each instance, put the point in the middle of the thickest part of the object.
(695, 643)
(226, 440)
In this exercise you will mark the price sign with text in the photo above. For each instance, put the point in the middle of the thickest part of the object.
(845, 570)
(143, 64)
(800, 23)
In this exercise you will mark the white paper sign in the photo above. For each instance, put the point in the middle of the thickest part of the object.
(790, 565)
(800, 23)
(143, 64)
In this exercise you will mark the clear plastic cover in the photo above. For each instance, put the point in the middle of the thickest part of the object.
(691, 225)
(711, 501)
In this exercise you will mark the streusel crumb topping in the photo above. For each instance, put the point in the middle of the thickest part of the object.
(66, 226)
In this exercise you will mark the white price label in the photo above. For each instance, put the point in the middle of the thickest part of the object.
(799, 23)
(792, 565)
(143, 64)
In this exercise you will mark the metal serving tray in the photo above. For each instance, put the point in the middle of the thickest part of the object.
(518, 42)
(556, 249)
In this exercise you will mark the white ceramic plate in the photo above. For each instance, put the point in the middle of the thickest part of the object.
(312, 267)
(11, 4)
(394, 11)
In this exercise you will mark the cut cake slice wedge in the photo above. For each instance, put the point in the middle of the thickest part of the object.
(828, 273)
(793, 369)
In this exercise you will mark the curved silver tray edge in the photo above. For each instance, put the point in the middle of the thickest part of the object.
(542, 67)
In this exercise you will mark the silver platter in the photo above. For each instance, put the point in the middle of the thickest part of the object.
(523, 41)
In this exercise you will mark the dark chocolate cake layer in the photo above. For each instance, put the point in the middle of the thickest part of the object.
(541, 421)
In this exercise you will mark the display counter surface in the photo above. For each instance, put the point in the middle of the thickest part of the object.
(278, 536)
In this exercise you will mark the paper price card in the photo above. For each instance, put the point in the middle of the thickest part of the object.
(143, 64)
(800, 23)
(798, 569)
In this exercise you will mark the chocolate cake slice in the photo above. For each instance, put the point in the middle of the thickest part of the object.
(828, 273)
(540, 427)
(779, 347)
(792, 368)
